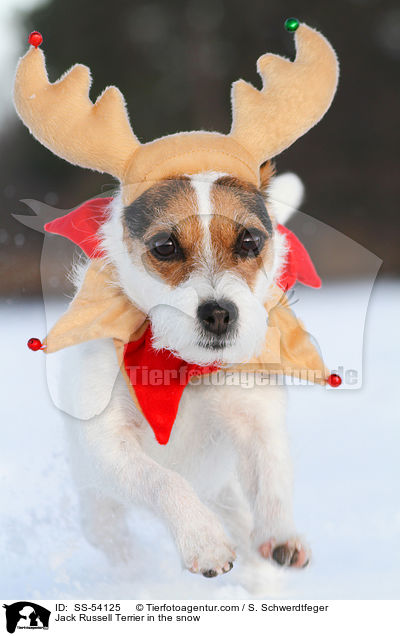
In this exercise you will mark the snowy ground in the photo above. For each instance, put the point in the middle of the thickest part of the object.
(345, 446)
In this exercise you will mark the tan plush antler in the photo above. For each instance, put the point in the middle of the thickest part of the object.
(294, 97)
(62, 117)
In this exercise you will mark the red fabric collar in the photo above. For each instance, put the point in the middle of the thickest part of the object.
(81, 225)
(298, 266)
(159, 377)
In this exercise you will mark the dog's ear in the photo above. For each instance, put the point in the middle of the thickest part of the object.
(284, 195)
(298, 350)
(99, 310)
(289, 349)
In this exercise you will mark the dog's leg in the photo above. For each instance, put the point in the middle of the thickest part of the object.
(103, 518)
(104, 524)
(257, 427)
(114, 445)
(232, 507)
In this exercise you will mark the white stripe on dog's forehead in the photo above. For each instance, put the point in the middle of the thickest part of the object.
(202, 184)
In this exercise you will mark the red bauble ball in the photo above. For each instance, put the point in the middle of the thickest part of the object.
(334, 380)
(34, 344)
(35, 38)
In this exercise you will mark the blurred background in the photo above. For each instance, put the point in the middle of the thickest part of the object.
(175, 61)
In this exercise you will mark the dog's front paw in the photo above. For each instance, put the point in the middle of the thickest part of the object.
(207, 550)
(292, 553)
(215, 571)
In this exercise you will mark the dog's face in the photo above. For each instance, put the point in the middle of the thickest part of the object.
(198, 255)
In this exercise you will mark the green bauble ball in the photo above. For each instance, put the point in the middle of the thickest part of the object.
(292, 24)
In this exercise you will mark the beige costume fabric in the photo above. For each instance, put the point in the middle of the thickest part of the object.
(293, 98)
(100, 309)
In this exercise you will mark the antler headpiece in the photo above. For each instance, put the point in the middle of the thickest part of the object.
(294, 97)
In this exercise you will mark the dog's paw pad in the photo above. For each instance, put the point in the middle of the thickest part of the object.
(290, 554)
(227, 567)
(209, 574)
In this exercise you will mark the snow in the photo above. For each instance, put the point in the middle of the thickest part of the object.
(344, 442)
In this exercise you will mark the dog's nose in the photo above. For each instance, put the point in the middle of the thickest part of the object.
(217, 318)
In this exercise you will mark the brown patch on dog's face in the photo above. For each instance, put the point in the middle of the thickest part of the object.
(239, 216)
(165, 226)
(165, 212)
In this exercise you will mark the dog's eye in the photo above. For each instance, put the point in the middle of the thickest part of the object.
(250, 243)
(164, 246)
